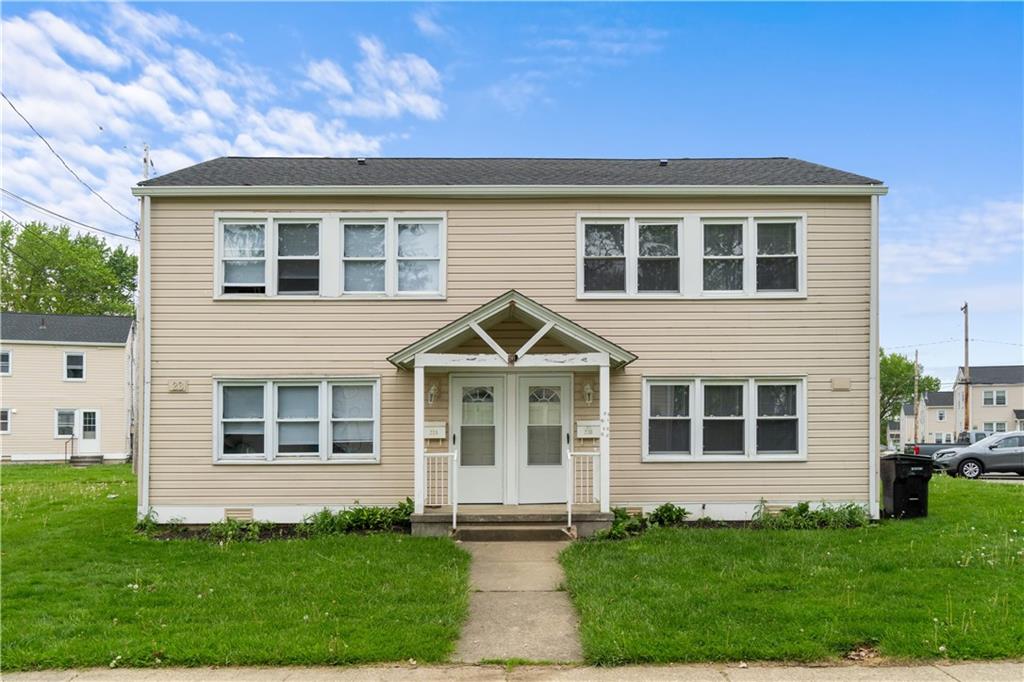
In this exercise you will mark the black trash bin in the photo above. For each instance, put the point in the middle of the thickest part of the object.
(905, 485)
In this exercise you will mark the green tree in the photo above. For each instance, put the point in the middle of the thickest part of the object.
(46, 269)
(896, 386)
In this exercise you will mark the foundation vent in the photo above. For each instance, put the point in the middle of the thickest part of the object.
(238, 514)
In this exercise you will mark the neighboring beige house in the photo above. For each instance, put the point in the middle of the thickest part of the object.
(997, 398)
(507, 334)
(936, 421)
(65, 387)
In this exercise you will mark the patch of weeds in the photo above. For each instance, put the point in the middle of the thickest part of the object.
(359, 520)
(147, 525)
(626, 525)
(802, 517)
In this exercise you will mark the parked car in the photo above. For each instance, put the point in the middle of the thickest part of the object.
(929, 449)
(998, 453)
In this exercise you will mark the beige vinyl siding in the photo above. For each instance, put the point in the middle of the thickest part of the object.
(36, 388)
(493, 246)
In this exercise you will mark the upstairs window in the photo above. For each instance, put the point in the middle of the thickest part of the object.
(74, 367)
(244, 258)
(298, 258)
(994, 397)
(777, 260)
(658, 258)
(941, 416)
(723, 256)
(6, 363)
(604, 257)
(419, 258)
(365, 257)
(328, 255)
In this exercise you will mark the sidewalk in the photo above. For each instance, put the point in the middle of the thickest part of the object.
(959, 672)
(516, 611)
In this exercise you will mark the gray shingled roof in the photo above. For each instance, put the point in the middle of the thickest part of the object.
(938, 398)
(1018, 414)
(908, 409)
(996, 374)
(279, 171)
(64, 328)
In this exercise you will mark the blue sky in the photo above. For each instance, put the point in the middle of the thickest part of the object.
(926, 97)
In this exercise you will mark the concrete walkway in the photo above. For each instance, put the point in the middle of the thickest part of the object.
(956, 672)
(516, 610)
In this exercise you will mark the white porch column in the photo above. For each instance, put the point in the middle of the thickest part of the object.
(606, 464)
(418, 470)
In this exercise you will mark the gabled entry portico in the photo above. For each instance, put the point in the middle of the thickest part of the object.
(510, 427)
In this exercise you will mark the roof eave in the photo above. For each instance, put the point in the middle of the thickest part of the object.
(505, 190)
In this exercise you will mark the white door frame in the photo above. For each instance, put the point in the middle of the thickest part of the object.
(473, 479)
(554, 480)
(86, 446)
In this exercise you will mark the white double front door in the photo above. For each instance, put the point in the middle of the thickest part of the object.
(511, 432)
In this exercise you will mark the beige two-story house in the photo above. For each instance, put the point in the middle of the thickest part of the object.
(496, 334)
(65, 387)
(996, 397)
(932, 421)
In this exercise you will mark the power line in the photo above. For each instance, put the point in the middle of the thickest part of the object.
(61, 158)
(1004, 343)
(64, 217)
(918, 345)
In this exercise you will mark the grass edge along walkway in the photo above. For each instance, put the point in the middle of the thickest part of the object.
(950, 586)
(80, 588)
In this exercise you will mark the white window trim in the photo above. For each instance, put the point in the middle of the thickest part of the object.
(56, 421)
(270, 422)
(64, 370)
(993, 395)
(332, 253)
(10, 421)
(10, 362)
(691, 250)
(275, 267)
(940, 415)
(750, 453)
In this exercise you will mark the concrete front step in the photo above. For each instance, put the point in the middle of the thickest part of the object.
(85, 460)
(510, 532)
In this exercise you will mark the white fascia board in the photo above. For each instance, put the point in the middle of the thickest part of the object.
(506, 190)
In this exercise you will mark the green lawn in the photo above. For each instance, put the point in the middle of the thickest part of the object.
(951, 585)
(80, 588)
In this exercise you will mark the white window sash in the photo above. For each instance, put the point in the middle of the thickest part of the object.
(690, 234)
(277, 222)
(10, 363)
(331, 253)
(271, 422)
(646, 385)
(5, 420)
(749, 418)
(69, 354)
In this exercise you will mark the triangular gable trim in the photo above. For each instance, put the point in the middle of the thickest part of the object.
(617, 355)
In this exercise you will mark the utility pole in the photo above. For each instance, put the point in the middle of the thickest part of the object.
(917, 398)
(146, 163)
(967, 373)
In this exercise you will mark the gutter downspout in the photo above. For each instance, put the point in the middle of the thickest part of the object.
(873, 389)
(143, 507)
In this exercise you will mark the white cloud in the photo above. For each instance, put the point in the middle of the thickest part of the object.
(948, 241)
(327, 76)
(517, 92)
(389, 86)
(426, 23)
(99, 91)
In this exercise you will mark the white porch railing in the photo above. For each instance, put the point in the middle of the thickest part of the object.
(441, 481)
(583, 480)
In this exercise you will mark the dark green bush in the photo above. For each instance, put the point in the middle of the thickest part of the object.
(358, 519)
(803, 517)
(667, 515)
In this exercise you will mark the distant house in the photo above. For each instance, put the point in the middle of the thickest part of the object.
(895, 434)
(997, 398)
(936, 422)
(65, 387)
